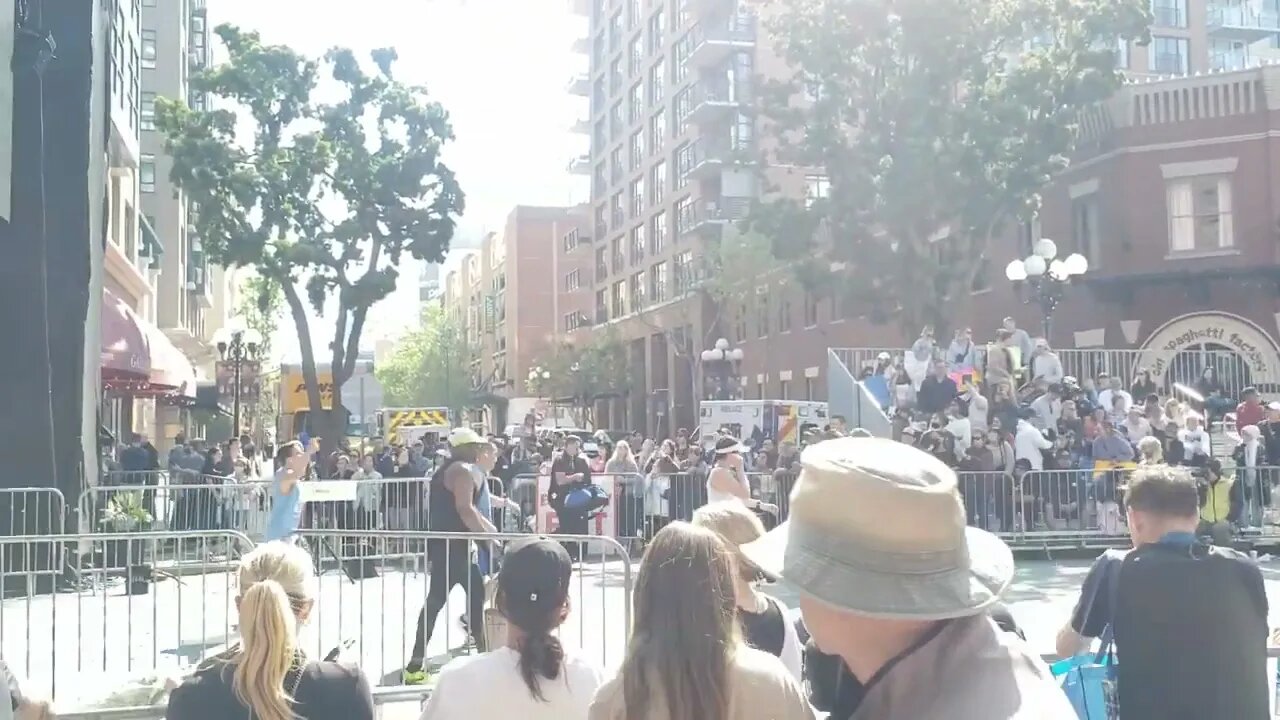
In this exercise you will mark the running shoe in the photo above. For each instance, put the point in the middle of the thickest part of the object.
(415, 677)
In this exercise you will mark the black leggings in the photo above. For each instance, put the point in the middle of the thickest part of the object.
(450, 568)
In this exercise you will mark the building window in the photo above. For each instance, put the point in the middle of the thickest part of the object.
(1228, 55)
(637, 197)
(658, 232)
(658, 283)
(573, 321)
(615, 76)
(619, 298)
(617, 217)
(637, 150)
(619, 258)
(762, 315)
(616, 168)
(657, 182)
(683, 103)
(816, 187)
(684, 215)
(683, 267)
(810, 310)
(657, 75)
(685, 157)
(573, 281)
(602, 263)
(637, 244)
(784, 315)
(740, 324)
(602, 306)
(635, 103)
(1169, 13)
(615, 31)
(617, 121)
(639, 285)
(633, 14)
(839, 306)
(147, 173)
(1169, 55)
(1200, 214)
(657, 131)
(1084, 226)
(784, 389)
(149, 49)
(635, 58)
(682, 49)
(1122, 54)
(657, 30)
(148, 111)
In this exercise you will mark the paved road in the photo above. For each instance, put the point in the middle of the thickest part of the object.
(73, 645)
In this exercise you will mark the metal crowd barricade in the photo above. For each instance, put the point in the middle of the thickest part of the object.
(207, 503)
(383, 698)
(124, 602)
(32, 510)
(375, 583)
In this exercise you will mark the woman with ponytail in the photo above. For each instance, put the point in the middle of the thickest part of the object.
(267, 676)
(532, 677)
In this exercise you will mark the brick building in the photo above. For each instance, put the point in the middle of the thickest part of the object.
(526, 287)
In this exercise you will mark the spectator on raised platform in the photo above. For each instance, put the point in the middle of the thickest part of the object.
(1250, 410)
(1000, 365)
(937, 391)
(1196, 445)
(1143, 385)
(961, 356)
(1107, 397)
(1111, 445)
(1030, 444)
(1045, 364)
(1048, 408)
(1136, 426)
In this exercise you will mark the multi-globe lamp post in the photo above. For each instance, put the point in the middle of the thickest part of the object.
(721, 362)
(237, 347)
(1045, 277)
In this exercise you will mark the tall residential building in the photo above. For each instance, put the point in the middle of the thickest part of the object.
(672, 136)
(175, 42)
(1198, 36)
(512, 297)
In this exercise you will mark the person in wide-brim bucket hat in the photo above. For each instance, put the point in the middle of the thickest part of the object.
(884, 535)
(877, 546)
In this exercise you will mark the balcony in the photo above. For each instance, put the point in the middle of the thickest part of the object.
(720, 40)
(580, 165)
(602, 315)
(579, 85)
(581, 46)
(713, 155)
(710, 216)
(1241, 22)
(580, 7)
(1228, 62)
(718, 102)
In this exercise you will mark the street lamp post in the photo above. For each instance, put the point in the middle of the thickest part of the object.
(1048, 277)
(237, 346)
(723, 360)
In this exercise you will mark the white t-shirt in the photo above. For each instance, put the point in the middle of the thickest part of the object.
(490, 686)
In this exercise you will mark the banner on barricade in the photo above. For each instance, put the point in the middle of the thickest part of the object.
(604, 521)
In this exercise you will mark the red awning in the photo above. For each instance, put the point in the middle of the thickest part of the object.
(125, 354)
(171, 371)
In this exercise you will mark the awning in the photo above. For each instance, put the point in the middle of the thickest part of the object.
(124, 342)
(171, 371)
(137, 358)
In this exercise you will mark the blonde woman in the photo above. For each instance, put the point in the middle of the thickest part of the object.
(686, 658)
(622, 462)
(267, 676)
(765, 624)
(1150, 451)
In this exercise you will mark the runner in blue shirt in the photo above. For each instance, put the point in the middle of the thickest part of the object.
(286, 496)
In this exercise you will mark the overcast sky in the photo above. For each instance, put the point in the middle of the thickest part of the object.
(500, 67)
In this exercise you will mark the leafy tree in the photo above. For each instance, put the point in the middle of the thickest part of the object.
(939, 122)
(322, 198)
(581, 375)
(259, 308)
(430, 365)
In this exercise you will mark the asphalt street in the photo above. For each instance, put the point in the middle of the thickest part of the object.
(83, 647)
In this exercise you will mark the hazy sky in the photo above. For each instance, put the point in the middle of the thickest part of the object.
(500, 67)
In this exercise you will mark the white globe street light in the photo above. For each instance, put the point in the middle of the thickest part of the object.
(719, 362)
(1047, 275)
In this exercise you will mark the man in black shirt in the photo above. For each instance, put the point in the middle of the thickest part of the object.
(936, 391)
(1173, 597)
(569, 472)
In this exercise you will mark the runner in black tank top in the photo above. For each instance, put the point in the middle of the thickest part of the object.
(451, 559)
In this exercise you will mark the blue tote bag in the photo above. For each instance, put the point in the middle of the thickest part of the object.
(1089, 680)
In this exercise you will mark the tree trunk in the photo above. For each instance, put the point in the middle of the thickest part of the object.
(299, 313)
